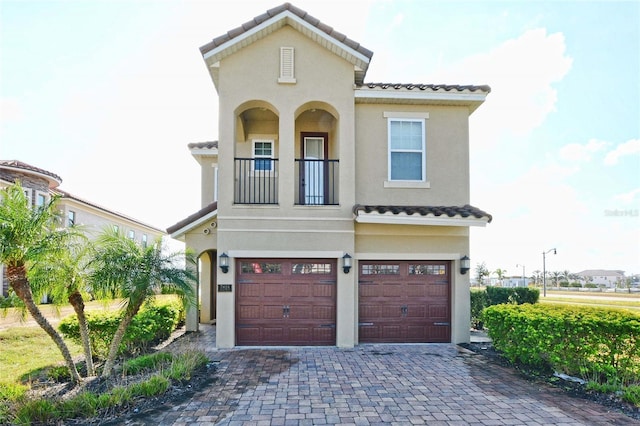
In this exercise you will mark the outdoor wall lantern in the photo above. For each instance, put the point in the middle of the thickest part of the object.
(224, 262)
(465, 265)
(346, 263)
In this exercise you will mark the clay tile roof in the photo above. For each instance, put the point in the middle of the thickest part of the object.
(431, 87)
(15, 164)
(230, 35)
(203, 145)
(194, 217)
(449, 211)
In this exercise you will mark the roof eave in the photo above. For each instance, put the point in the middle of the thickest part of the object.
(472, 100)
(179, 234)
(428, 220)
(212, 54)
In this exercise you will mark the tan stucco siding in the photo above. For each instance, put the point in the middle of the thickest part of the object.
(94, 221)
(324, 82)
(447, 156)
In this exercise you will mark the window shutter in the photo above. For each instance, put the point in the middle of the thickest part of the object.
(287, 65)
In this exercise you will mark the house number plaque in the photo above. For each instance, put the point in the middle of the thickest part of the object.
(224, 288)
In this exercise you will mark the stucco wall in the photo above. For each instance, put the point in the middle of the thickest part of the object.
(447, 156)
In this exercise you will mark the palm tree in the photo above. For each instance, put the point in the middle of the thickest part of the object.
(64, 278)
(26, 235)
(135, 273)
(501, 273)
(537, 277)
(555, 276)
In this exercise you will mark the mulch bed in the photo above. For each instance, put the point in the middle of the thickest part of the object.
(573, 388)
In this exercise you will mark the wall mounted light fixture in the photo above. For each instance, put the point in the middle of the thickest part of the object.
(465, 265)
(346, 263)
(223, 262)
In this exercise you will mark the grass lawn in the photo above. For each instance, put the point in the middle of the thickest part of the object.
(606, 300)
(25, 349)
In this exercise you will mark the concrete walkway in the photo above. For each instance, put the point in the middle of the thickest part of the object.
(434, 384)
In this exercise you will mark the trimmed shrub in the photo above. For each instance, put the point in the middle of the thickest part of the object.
(597, 344)
(151, 325)
(480, 299)
(478, 303)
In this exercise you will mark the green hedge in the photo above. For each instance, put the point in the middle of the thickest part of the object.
(151, 325)
(597, 344)
(480, 299)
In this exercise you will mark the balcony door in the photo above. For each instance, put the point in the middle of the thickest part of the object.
(314, 153)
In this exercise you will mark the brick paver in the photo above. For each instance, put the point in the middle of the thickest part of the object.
(432, 384)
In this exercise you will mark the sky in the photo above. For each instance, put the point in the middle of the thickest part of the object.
(107, 94)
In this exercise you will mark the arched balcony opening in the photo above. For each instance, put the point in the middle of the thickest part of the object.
(256, 154)
(317, 172)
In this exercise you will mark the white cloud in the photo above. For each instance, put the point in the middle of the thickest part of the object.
(521, 73)
(628, 197)
(577, 152)
(628, 148)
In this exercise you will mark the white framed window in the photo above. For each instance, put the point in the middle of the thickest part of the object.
(132, 234)
(41, 199)
(287, 65)
(28, 193)
(116, 228)
(262, 156)
(144, 240)
(407, 149)
(71, 218)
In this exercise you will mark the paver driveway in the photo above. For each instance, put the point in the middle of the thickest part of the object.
(434, 384)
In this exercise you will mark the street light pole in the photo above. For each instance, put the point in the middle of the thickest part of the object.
(524, 284)
(544, 270)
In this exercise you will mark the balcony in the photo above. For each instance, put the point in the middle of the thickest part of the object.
(317, 182)
(256, 181)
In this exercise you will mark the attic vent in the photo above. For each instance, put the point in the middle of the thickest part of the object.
(286, 65)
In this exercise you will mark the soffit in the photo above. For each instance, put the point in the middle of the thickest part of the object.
(422, 215)
(470, 96)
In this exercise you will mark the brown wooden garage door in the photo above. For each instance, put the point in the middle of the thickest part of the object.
(286, 302)
(404, 302)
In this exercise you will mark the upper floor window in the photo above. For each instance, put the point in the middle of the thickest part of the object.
(71, 218)
(41, 199)
(116, 228)
(144, 240)
(132, 234)
(263, 154)
(28, 193)
(287, 63)
(407, 149)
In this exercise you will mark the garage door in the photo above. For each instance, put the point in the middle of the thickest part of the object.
(404, 302)
(286, 302)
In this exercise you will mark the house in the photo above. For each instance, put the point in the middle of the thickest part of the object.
(602, 277)
(516, 281)
(334, 211)
(39, 185)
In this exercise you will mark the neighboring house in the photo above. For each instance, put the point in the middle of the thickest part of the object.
(602, 277)
(516, 282)
(334, 211)
(40, 185)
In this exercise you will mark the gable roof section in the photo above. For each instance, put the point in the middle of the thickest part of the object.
(185, 225)
(276, 18)
(422, 215)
